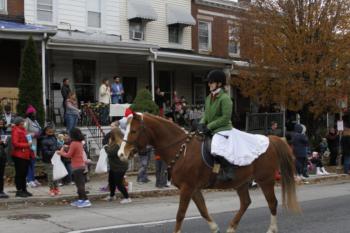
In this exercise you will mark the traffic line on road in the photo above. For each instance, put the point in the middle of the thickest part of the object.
(133, 225)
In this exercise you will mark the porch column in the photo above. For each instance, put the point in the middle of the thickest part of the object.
(152, 80)
(43, 71)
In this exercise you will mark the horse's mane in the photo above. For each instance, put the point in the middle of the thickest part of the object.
(163, 120)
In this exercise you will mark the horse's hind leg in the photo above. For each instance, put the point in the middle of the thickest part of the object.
(243, 193)
(200, 203)
(185, 198)
(269, 192)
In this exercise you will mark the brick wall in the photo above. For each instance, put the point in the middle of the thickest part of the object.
(15, 10)
(220, 24)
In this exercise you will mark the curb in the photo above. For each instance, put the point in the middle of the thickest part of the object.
(19, 203)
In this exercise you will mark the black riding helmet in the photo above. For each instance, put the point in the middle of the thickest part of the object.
(217, 76)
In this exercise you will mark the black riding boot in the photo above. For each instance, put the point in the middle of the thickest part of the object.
(227, 169)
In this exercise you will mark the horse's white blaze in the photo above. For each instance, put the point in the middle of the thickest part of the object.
(121, 151)
(273, 225)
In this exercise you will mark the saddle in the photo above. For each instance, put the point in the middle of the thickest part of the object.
(218, 164)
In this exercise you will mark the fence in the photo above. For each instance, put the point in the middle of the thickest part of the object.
(259, 123)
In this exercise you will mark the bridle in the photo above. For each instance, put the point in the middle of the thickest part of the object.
(143, 129)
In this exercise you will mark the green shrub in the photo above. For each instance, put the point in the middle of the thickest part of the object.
(144, 103)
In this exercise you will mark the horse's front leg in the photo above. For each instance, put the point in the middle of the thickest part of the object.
(185, 198)
(200, 203)
(244, 198)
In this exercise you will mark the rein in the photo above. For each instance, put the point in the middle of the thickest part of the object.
(182, 150)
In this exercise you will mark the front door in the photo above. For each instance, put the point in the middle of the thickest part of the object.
(84, 72)
(165, 83)
(130, 87)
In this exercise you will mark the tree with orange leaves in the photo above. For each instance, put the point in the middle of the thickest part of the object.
(298, 51)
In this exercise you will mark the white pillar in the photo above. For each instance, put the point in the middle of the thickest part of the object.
(43, 72)
(152, 80)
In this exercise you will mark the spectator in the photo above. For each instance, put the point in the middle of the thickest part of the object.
(333, 145)
(315, 159)
(300, 144)
(34, 129)
(9, 117)
(145, 157)
(345, 145)
(76, 153)
(3, 156)
(21, 154)
(72, 112)
(323, 146)
(104, 97)
(161, 172)
(117, 168)
(117, 91)
(273, 129)
(160, 101)
(65, 90)
(49, 147)
(63, 140)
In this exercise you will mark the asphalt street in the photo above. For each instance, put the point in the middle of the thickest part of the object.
(329, 215)
(325, 210)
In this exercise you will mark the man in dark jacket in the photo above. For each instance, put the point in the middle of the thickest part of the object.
(300, 144)
(65, 90)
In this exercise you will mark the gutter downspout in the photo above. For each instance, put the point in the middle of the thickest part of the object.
(43, 72)
(155, 55)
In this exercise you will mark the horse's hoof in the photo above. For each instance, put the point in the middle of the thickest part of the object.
(230, 230)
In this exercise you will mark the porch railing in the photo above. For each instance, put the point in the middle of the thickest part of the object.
(90, 120)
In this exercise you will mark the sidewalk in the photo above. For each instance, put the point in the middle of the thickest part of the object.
(42, 198)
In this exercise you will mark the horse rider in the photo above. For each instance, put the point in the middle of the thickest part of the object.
(217, 116)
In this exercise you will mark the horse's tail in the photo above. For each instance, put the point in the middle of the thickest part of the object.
(287, 168)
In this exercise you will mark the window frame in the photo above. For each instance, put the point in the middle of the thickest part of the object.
(232, 27)
(143, 28)
(209, 47)
(4, 11)
(53, 14)
(179, 34)
(87, 16)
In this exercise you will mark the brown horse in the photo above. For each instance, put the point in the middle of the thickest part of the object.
(182, 152)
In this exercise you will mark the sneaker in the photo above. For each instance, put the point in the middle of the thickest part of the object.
(84, 204)
(37, 183)
(21, 194)
(52, 192)
(32, 184)
(125, 201)
(57, 191)
(28, 193)
(3, 195)
(72, 183)
(76, 203)
(60, 184)
(168, 184)
(109, 198)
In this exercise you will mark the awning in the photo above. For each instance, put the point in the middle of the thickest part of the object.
(141, 9)
(21, 31)
(179, 15)
(96, 43)
(191, 59)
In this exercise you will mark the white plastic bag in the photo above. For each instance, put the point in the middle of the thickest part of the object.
(59, 170)
(102, 165)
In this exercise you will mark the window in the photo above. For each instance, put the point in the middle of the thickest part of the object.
(136, 29)
(175, 34)
(44, 10)
(3, 6)
(204, 35)
(233, 45)
(94, 13)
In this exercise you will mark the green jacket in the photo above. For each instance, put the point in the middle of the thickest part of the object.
(217, 115)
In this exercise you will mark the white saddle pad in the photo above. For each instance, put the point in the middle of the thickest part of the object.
(238, 147)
